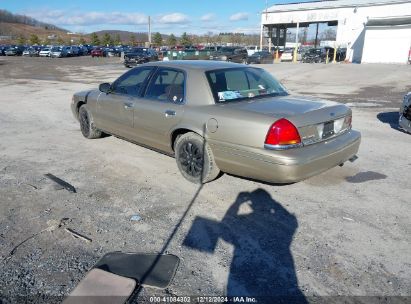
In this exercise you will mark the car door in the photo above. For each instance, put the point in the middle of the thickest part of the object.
(115, 110)
(161, 109)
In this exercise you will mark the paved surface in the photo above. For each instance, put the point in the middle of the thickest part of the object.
(344, 232)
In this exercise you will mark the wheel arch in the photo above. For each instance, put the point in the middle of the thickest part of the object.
(81, 102)
(180, 131)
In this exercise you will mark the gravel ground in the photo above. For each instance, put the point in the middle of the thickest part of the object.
(343, 233)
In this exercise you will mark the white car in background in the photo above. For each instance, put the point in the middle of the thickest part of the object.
(251, 49)
(58, 51)
(45, 52)
(287, 55)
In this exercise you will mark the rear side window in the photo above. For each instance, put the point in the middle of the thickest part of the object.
(167, 85)
(238, 84)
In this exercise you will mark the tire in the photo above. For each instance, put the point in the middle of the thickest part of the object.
(194, 158)
(87, 125)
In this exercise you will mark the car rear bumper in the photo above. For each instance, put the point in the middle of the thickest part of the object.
(288, 166)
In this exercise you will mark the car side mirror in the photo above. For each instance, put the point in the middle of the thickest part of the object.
(105, 87)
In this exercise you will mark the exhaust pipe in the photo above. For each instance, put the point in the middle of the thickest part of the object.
(353, 159)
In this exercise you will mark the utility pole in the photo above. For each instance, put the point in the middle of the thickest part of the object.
(316, 37)
(149, 30)
(262, 25)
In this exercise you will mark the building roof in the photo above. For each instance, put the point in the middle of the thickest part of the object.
(312, 5)
(389, 21)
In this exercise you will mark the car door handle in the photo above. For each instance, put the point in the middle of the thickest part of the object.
(128, 105)
(169, 113)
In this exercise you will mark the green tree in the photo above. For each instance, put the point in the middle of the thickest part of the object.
(46, 41)
(133, 39)
(117, 39)
(94, 39)
(21, 40)
(82, 41)
(34, 39)
(171, 40)
(185, 40)
(60, 41)
(158, 39)
(107, 39)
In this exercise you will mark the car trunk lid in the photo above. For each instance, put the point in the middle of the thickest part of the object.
(315, 119)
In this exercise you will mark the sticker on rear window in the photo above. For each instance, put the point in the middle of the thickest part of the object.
(226, 95)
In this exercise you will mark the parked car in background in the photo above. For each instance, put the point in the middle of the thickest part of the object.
(260, 57)
(97, 52)
(45, 52)
(138, 56)
(31, 52)
(341, 54)
(287, 54)
(73, 50)
(254, 128)
(83, 50)
(251, 49)
(231, 54)
(3, 49)
(58, 51)
(314, 55)
(15, 50)
(320, 54)
(113, 52)
(405, 113)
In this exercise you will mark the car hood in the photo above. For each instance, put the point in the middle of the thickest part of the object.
(301, 110)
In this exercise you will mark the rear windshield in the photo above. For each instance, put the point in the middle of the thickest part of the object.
(238, 84)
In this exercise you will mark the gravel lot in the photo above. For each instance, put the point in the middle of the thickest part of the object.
(345, 232)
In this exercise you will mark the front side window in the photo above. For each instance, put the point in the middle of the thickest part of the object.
(167, 85)
(238, 84)
(131, 82)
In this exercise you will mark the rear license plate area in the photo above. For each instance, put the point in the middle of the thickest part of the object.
(328, 129)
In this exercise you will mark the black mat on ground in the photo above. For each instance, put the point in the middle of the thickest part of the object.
(148, 269)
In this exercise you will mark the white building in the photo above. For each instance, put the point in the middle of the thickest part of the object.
(372, 30)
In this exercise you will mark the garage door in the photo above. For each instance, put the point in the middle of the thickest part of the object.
(388, 44)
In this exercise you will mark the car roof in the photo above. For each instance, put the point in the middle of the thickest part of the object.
(205, 65)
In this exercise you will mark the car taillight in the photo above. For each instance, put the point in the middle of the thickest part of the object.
(282, 134)
(347, 122)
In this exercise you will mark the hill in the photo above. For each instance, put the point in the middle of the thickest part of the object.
(124, 35)
(8, 17)
(12, 31)
(15, 26)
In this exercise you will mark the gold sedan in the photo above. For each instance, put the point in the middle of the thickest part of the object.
(220, 117)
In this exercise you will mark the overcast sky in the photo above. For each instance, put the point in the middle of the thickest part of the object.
(196, 17)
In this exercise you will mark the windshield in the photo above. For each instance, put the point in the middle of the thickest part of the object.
(140, 51)
(226, 50)
(55, 49)
(247, 83)
(315, 51)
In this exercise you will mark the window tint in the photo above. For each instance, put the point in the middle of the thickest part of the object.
(167, 85)
(243, 83)
(131, 82)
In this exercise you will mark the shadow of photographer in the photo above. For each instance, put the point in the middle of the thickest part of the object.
(262, 263)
